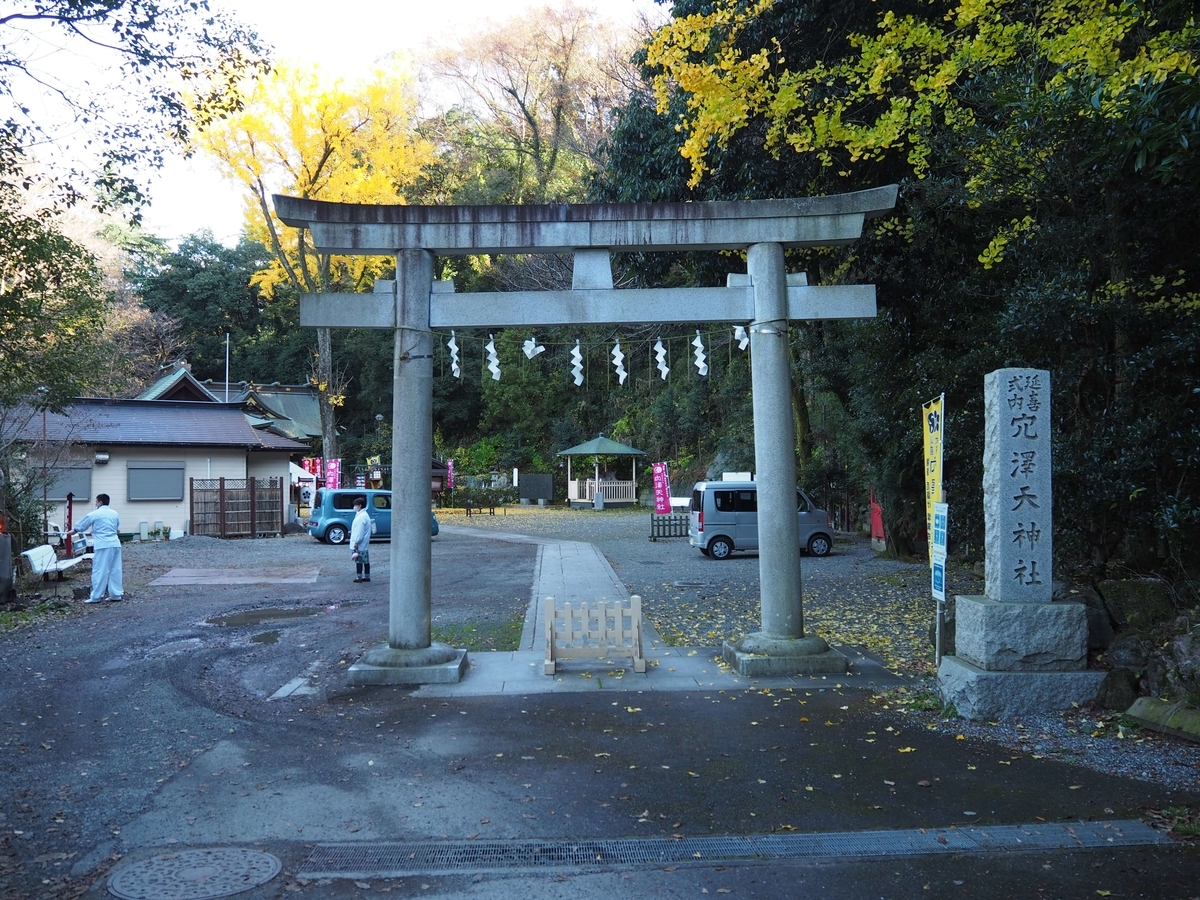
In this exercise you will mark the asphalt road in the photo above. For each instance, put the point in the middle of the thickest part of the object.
(136, 729)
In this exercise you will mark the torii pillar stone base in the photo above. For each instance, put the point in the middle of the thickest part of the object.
(757, 655)
(436, 664)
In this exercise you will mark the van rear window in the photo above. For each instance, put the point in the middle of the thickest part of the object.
(697, 501)
(735, 501)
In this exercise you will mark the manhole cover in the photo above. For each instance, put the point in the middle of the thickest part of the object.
(194, 875)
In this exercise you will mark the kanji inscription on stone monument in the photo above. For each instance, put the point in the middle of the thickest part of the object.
(1016, 488)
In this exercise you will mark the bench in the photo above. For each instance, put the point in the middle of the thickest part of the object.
(43, 560)
(595, 631)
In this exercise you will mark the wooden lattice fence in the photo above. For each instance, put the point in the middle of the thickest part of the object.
(237, 507)
(668, 526)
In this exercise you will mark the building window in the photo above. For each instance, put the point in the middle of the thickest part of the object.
(155, 480)
(74, 480)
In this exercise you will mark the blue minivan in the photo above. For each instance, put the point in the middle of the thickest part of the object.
(333, 512)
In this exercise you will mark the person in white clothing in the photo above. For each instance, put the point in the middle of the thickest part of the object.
(360, 541)
(106, 565)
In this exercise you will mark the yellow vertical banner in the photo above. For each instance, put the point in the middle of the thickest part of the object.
(933, 422)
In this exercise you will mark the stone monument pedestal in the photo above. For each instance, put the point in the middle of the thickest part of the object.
(1016, 659)
(436, 664)
(757, 655)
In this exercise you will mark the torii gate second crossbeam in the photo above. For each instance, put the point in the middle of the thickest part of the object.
(764, 299)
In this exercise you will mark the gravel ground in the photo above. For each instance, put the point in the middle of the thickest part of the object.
(852, 597)
(696, 601)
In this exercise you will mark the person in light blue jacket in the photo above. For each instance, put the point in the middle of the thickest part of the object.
(106, 565)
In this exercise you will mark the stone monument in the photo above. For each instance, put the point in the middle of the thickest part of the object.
(1016, 652)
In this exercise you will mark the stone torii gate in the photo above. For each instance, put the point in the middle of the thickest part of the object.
(764, 299)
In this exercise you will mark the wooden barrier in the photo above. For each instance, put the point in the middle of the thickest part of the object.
(668, 526)
(595, 631)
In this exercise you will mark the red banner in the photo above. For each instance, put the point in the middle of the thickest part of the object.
(878, 538)
(662, 489)
(449, 474)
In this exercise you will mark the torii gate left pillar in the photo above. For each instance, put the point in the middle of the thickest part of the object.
(765, 299)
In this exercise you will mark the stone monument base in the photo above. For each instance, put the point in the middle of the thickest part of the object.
(759, 656)
(980, 694)
(1020, 637)
(435, 664)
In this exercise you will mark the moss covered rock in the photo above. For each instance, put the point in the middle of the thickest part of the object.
(1140, 603)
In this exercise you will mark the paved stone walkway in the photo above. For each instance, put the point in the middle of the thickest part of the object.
(578, 572)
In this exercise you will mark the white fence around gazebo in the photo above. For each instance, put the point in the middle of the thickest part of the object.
(584, 490)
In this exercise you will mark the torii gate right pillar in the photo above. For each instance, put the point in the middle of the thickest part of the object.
(781, 648)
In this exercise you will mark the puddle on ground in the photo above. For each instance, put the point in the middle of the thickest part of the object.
(258, 616)
(267, 637)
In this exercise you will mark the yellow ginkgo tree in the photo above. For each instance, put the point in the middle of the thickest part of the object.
(305, 135)
(903, 81)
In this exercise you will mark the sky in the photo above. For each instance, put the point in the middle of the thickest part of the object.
(345, 38)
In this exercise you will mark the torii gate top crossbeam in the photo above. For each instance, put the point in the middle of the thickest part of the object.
(362, 229)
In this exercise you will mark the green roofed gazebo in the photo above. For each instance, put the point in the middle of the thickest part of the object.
(582, 492)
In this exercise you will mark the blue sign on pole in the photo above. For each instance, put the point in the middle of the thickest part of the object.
(937, 550)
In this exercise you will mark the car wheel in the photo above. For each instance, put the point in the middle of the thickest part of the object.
(336, 534)
(720, 548)
(704, 550)
(819, 545)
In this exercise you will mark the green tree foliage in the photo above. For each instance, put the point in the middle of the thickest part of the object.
(69, 138)
(645, 164)
(1048, 198)
(51, 306)
(52, 289)
(207, 287)
(159, 68)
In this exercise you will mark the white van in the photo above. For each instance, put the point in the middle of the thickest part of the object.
(723, 517)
